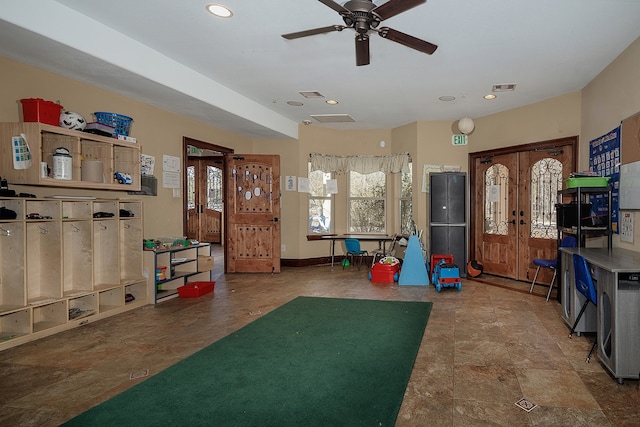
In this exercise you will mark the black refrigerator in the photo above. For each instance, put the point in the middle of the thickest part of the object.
(447, 216)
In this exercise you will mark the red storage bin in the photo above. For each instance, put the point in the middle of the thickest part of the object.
(195, 289)
(39, 110)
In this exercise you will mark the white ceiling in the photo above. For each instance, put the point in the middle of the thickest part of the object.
(238, 74)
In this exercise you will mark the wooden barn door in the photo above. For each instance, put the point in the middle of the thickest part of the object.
(252, 213)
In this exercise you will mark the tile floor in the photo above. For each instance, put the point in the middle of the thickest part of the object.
(484, 349)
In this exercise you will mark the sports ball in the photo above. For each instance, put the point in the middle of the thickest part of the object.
(474, 268)
(345, 262)
(71, 120)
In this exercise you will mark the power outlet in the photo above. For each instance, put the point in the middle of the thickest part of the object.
(283, 248)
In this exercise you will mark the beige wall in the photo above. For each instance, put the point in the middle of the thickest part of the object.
(158, 131)
(610, 97)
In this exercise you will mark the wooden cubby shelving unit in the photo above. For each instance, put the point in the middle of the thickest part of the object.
(67, 268)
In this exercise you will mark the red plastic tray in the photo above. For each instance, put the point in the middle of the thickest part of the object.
(195, 289)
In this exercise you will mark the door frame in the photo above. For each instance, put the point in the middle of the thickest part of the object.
(225, 151)
(487, 154)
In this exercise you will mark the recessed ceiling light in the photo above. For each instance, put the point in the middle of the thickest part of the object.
(331, 101)
(447, 98)
(295, 103)
(490, 96)
(219, 10)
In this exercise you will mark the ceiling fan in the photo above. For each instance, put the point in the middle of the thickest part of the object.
(364, 16)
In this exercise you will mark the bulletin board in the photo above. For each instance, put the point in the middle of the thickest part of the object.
(604, 159)
(630, 139)
(630, 163)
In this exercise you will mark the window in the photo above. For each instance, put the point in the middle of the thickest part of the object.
(406, 192)
(320, 203)
(367, 202)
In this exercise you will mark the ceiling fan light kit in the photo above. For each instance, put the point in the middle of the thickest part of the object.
(364, 17)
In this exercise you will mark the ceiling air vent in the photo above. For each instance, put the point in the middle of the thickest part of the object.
(332, 118)
(311, 94)
(504, 88)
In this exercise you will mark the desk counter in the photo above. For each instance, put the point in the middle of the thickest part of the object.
(616, 274)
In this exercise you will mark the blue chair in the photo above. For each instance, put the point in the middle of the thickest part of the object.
(353, 249)
(566, 242)
(584, 285)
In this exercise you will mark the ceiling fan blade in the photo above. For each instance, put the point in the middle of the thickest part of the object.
(335, 6)
(407, 40)
(362, 49)
(395, 7)
(314, 31)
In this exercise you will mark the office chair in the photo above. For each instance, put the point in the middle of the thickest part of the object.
(584, 285)
(353, 249)
(566, 242)
(378, 254)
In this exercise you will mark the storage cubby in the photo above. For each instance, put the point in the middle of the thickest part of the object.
(44, 277)
(15, 205)
(12, 265)
(77, 256)
(82, 307)
(14, 325)
(49, 315)
(134, 207)
(76, 210)
(106, 253)
(114, 154)
(131, 236)
(109, 207)
(111, 299)
(138, 290)
(64, 267)
(45, 209)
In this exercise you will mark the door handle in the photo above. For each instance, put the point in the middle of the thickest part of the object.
(522, 222)
(513, 221)
(276, 219)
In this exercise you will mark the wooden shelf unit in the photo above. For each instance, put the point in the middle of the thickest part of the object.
(43, 139)
(67, 268)
(182, 265)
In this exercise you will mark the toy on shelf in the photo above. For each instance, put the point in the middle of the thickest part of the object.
(387, 270)
(444, 273)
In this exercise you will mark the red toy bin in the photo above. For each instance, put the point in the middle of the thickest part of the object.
(39, 110)
(384, 273)
(195, 289)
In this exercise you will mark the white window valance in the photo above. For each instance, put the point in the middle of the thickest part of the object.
(394, 163)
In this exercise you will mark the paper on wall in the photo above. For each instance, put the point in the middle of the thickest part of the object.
(21, 152)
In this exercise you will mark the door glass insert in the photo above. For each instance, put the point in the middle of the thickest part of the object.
(496, 200)
(191, 187)
(214, 188)
(546, 181)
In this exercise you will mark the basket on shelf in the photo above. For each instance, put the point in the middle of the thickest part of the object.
(121, 122)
